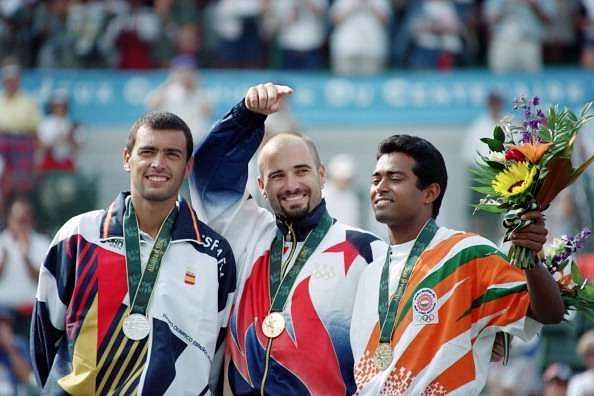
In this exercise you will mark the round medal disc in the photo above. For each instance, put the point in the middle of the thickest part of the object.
(383, 356)
(136, 326)
(273, 324)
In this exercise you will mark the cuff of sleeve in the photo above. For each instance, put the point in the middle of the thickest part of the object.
(246, 117)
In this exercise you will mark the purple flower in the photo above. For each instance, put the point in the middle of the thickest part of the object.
(535, 101)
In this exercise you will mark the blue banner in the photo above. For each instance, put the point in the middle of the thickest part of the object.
(117, 98)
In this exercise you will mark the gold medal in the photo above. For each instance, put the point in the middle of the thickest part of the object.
(383, 356)
(273, 324)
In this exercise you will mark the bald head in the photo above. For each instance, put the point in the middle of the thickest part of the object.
(284, 140)
(291, 175)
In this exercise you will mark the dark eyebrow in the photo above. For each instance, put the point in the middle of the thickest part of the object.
(174, 150)
(302, 166)
(389, 173)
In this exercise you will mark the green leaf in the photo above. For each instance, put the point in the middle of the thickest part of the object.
(496, 165)
(577, 172)
(484, 190)
(489, 208)
(494, 145)
(576, 275)
(587, 292)
(498, 134)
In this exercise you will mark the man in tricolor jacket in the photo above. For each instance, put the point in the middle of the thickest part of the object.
(134, 299)
(425, 318)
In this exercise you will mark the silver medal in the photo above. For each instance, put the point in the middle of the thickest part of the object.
(136, 326)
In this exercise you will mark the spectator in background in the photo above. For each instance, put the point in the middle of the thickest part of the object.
(86, 23)
(19, 119)
(341, 199)
(436, 36)
(482, 223)
(58, 138)
(182, 95)
(359, 41)
(50, 35)
(15, 30)
(180, 32)
(131, 35)
(238, 25)
(517, 31)
(586, 22)
(555, 379)
(300, 29)
(15, 366)
(560, 35)
(583, 384)
(22, 251)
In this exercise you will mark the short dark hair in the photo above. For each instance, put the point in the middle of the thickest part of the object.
(429, 164)
(161, 120)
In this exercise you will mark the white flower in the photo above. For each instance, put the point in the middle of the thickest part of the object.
(496, 156)
(555, 247)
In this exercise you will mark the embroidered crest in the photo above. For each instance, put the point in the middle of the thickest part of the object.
(425, 307)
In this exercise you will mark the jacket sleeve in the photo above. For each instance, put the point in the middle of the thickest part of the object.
(219, 176)
(54, 290)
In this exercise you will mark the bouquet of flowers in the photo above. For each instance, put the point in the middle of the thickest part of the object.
(528, 164)
(576, 291)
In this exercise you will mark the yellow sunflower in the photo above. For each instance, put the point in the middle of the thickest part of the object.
(514, 180)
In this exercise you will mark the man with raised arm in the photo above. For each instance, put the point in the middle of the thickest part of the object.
(298, 268)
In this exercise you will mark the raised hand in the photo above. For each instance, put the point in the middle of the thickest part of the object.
(266, 98)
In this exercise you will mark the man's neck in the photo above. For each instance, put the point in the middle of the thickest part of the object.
(151, 215)
(406, 233)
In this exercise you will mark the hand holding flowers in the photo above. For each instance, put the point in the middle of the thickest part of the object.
(528, 164)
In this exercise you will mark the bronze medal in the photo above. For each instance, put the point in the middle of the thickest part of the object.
(383, 356)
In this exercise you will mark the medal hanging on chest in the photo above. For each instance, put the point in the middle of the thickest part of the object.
(273, 324)
(388, 307)
(141, 283)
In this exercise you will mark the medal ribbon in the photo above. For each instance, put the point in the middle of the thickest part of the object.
(387, 313)
(279, 285)
(141, 283)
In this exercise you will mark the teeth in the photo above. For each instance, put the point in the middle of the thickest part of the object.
(294, 198)
(157, 178)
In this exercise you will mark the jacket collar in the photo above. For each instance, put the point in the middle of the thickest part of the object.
(185, 226)
(304, 225)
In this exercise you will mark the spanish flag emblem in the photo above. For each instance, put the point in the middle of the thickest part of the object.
(189, 278)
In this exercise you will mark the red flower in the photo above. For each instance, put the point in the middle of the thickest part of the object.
(514, 155)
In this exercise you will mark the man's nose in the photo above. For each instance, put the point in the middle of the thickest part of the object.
(158, 161)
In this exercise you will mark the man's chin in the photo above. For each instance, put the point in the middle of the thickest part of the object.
(295, 214)
(383, 217)
(158, 196)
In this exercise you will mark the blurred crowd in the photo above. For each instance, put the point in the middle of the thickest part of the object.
(347, 36)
